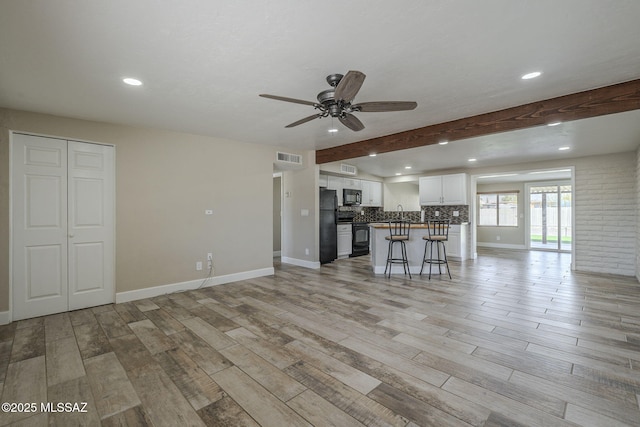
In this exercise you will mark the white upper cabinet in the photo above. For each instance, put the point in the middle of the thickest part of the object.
(443, 190)
(454, 189)
(430, 190)
(371, 193)
(323, 181)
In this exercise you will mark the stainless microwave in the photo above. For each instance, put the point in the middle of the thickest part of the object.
(351, 197)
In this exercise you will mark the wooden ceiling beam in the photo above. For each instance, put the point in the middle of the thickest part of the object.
(591, 103)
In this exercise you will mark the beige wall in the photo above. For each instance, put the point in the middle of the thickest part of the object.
(164, 183)
(300, 232)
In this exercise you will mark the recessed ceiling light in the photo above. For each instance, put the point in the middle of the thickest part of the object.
(554, 123)
(564, 148)
(372, 155)
(532, 75)
(132, 82)
(407, 167)
(398, 174)
(332, 130)
(472, 160)
(445, 142)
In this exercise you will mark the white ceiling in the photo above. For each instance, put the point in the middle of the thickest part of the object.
(203, 64)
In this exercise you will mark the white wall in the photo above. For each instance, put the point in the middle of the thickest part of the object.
(333, 168)
(605, 206)
(401, 193)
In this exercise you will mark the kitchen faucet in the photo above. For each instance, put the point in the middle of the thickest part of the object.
(401, 210)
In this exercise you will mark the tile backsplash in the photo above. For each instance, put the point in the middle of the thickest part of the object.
(380, 215)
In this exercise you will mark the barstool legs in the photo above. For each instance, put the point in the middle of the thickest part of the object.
(440, 260)
(391, 259)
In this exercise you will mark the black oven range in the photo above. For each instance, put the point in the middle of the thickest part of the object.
(360, 239)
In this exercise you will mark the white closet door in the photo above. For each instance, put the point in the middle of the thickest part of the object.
(63, 225)
(39, 226)
(91, 224)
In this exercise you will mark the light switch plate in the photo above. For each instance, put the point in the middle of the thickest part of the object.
(456, 213)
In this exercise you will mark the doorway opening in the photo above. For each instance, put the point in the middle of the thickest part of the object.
(550, 213)
(277, 215)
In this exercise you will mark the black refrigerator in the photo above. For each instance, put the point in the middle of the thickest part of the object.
(328, 225)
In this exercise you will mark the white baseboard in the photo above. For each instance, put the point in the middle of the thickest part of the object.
(5, 317)
(500, 245)
(301, 262)
(190, 285)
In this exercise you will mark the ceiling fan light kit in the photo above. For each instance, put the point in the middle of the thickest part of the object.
(338, 101)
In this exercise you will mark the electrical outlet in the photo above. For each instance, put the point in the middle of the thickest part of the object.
(209, 260)
(437, 213)
(497, 237)
(306, 251)
(198, 265)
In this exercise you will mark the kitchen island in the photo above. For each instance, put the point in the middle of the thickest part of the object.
(456, 246)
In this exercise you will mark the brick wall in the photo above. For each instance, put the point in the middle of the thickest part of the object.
(606, 201)
(637, 216)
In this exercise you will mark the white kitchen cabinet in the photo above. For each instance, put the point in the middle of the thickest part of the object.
(344, 240)
(430, 190)
(371, 193)
(443, 190)
(323, 180)
(457, 242)
(454, 189)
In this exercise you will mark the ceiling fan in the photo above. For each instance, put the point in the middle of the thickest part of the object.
(337, 101)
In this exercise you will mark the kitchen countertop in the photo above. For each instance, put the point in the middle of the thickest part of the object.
(413, 224)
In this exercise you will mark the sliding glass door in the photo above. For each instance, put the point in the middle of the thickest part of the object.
(550, 225)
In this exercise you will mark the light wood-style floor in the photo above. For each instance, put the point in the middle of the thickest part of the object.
(515, 339)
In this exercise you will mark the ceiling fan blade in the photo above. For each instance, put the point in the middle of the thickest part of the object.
(284, 98)
(382, 106)
(352, 122)
(349, 86)
(305, 120)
